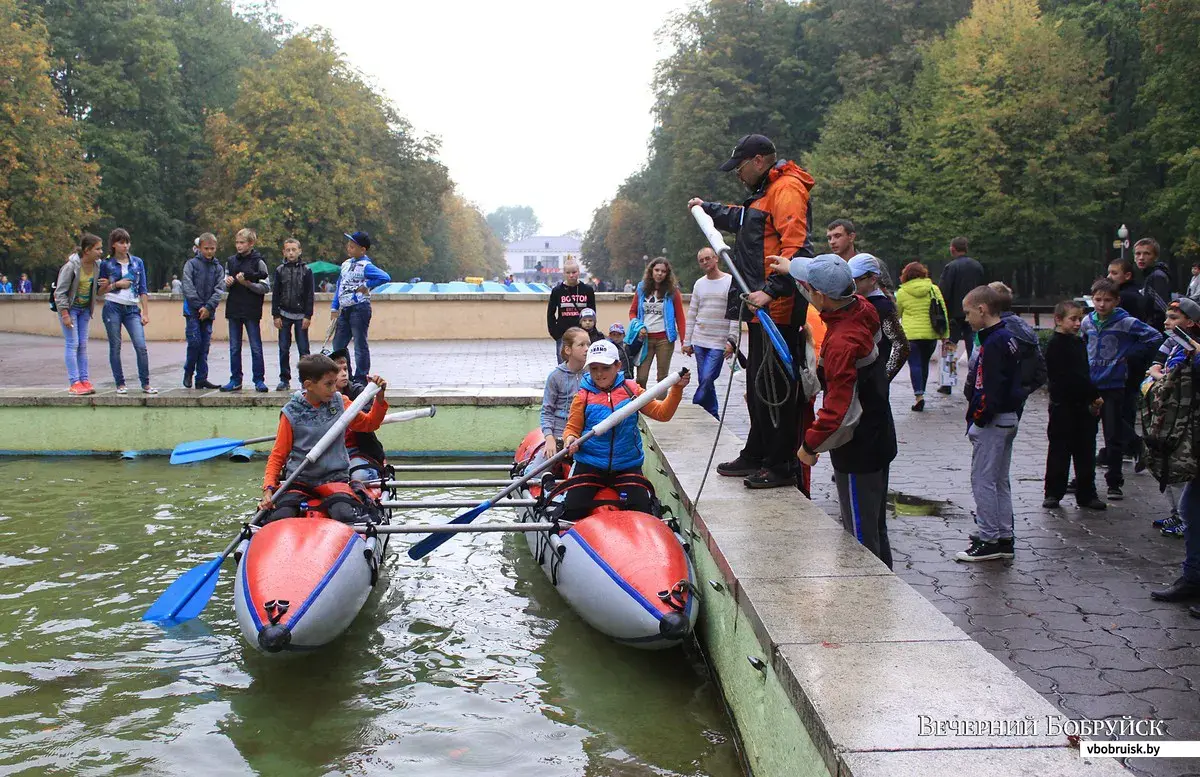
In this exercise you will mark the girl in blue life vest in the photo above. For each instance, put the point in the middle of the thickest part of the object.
(605, 459)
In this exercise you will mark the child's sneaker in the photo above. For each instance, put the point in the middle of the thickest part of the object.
(1173, 527)
(78, 389)
(1051, 502)
(987, 551)
(1158, 523)
(261, 387)
(1115, 494)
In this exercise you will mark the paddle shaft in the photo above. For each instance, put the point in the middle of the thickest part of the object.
(446, 483)
(456, 503)
(719, 245)
(390, 418)
(460, 528)
(338, 430)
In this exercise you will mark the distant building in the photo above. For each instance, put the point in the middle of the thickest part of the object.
(550, 252)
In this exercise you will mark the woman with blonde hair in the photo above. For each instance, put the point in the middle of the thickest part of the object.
(924, 320)
(658, 304)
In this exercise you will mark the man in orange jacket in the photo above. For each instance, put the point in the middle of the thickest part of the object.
(775, 220)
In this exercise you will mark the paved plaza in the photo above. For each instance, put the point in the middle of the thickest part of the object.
(1071, 614)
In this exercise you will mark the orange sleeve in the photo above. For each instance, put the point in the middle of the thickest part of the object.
(680, 316)
(279, 452)
(369, 421)
(663, 409)
(788, 212)
(575, 417)
(633, 306)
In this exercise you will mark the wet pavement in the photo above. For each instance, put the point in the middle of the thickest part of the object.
(1071, 614)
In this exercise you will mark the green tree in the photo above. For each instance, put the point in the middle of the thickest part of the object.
(463, 244)
(1005, 143)
(627, 241)
(47, 188)
(310, 151)
(1171, 34)
(511, 223)
(594, 249)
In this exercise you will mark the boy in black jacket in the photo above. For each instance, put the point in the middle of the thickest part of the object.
(1074, 409)
(291, 307)
(994, 398)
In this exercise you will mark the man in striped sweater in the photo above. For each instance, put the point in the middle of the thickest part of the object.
(709, 336)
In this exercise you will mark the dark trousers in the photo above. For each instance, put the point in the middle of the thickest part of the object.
(771, 446)
(577, 502)
(285, 345)
(1132, 444)
(199, 338)
(1112, 415)
(862, 499)
(961, 330)
(918, 363)
(353, 322)
(1072, 434)
(254, 335)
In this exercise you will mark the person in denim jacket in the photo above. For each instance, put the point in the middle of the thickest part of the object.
(124, 286)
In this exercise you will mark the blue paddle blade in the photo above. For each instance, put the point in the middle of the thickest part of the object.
(434, 541)
(202, 450)
(781, 347)
(188, 595)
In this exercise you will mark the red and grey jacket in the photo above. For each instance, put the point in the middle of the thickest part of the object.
(855, 420)
(776, 220)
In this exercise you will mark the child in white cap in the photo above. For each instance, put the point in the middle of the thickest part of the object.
(612, 459)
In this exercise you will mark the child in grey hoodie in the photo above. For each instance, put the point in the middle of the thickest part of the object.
(562, 384)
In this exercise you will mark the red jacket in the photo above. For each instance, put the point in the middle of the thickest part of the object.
(855, 420)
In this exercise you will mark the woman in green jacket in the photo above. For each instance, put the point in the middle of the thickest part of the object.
(913, 300)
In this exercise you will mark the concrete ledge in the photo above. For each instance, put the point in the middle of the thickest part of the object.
(49, 421)
(859, 653)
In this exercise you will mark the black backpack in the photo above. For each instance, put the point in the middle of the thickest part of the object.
(937, 316)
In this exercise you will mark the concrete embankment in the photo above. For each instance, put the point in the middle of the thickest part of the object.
(830, 663)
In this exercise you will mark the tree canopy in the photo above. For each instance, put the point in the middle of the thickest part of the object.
(510, 223)
(1034, 130)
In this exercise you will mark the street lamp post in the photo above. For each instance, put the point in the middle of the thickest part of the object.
(1123, 234)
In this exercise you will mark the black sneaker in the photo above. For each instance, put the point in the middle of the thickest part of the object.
(986, 551)
(738, 468)
(1115, 494)
(187, 381)
(1093, 504)
(943, 389)
(1051, 502)
(204, 384)
(770, 478)
(1072, 486)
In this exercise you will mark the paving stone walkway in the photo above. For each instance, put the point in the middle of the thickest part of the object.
(1071, 615)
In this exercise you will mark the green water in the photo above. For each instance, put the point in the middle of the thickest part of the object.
(465, 664)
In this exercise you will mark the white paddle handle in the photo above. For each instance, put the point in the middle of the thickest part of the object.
(649, 395)
(709, 229)
(338, 430)
(410, 415)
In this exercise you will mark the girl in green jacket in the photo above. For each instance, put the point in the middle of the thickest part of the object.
(917, 293)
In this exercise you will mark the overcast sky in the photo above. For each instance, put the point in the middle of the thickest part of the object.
(537, 102)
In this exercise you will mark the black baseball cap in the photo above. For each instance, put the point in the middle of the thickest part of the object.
(749, 146)
(362, 238)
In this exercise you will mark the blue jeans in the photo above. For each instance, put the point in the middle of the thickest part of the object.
(353, 321)
(285, 345)
(254, 335)
(199, 337)
(708, 369)
(918, 363)
(1189, 509)
(76, 338)
(115, 316)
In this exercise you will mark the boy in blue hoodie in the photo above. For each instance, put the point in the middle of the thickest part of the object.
(1114, 341)
(994, 398)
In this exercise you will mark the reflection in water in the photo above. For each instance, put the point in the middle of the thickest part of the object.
(467, 663)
